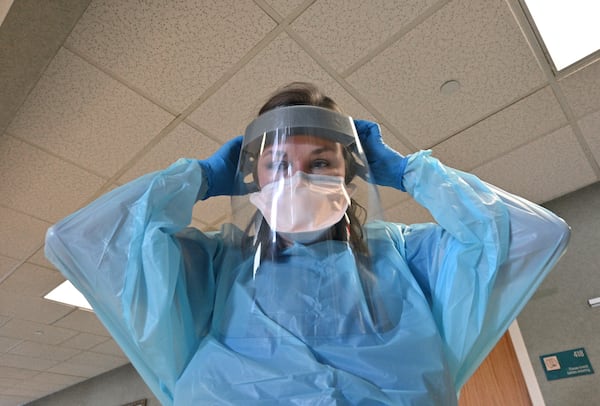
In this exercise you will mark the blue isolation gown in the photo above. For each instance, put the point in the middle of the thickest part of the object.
(202, 327)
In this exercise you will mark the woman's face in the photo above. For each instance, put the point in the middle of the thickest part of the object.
(303, 153)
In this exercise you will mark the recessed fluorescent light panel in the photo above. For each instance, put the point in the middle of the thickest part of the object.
(67, 294)
(570, 29)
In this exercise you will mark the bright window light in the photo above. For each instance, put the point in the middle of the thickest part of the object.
(569, 28)
(67, 294)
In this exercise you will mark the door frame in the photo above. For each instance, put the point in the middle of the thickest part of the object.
(533, 386)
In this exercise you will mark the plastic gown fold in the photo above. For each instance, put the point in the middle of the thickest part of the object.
(286, 317)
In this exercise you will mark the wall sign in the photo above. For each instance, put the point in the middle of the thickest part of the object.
(566, 364)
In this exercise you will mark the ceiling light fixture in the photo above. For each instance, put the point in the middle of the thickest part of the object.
(66, 293)
(568, 28)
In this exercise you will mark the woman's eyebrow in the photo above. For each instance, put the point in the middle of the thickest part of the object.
(270, 153)
(320, 150)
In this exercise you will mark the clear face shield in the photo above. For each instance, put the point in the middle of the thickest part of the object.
(302, 214)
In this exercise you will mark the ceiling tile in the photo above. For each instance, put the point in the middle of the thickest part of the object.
(590, 127)
(389, 139)
(38, 183)
(183, 142)
(285, 7)
(227, 112)
(390, 197)
(38, 332)
(582, 89)
(16, 373)
(83, 341)
(9, 383)
(83, 320)
(32, 308)
(508, 129)
(555, 165)
(94, 358)
(171, 50)
(83, 371)
(15, 400)
(31, 280)
(6, 343)
(6, 264)
(37, 350)
(88, 364)
(408, 212)
(212, 210)
(21, 234)
(48, 24)
(19, 361)
(343, 31)
(477, 43)
(40, 259)
(109, 347)
(80, 113)
(52, 378)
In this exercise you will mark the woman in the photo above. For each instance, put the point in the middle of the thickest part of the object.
(307, 305)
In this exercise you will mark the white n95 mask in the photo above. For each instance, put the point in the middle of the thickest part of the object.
(305, 205)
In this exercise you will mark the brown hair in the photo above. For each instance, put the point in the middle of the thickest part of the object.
(298, 94)
(350, 228)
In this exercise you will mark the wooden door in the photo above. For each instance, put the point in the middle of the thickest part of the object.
(498, 381)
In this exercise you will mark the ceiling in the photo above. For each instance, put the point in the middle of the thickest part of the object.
(95, 95)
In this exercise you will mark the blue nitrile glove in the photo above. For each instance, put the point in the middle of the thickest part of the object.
(387, 166)
(220, 169)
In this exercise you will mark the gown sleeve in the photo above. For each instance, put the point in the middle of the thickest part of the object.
(124, 254)
(481, 262)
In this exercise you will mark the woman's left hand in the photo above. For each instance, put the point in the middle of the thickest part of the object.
(386, 165)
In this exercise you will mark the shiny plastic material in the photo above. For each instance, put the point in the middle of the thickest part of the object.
(305, 164)
(180, 302)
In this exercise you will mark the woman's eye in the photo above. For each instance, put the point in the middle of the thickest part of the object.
(278, 166)
(320, 164)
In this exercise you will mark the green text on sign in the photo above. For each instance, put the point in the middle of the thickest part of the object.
(566, 364)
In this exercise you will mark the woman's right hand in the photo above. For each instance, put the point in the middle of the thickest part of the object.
(221, 167)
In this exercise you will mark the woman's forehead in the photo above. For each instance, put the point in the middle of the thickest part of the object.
(303, 142)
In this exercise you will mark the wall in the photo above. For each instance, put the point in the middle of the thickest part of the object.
(117, 387)
(558, 317)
